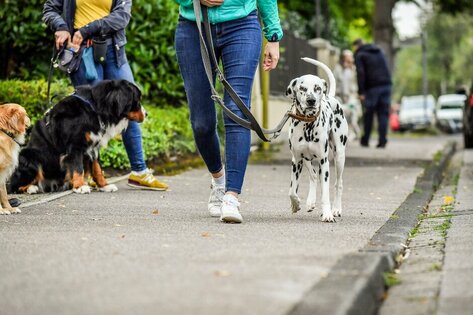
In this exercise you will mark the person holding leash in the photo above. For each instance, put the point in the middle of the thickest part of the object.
(237, 41)
(103, 23)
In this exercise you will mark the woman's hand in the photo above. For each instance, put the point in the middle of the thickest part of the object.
(77, 39)
(271, 56)
(61, 37)
(211, 3)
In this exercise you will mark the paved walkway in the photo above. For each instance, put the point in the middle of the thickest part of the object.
(456, 296)
(141, 252)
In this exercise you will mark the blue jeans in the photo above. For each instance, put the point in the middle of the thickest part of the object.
(110, 71)
(377, 100)
(238, 46)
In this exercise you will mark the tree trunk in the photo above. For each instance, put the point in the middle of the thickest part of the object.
(383, 28)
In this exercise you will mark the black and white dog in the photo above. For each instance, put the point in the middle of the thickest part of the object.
(318, 126)
(64, 145)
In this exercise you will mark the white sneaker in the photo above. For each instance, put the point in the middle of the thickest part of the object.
(230, 211)
(215, 200)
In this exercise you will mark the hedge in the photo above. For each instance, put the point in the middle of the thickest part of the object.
(26, 46)
(166, 130)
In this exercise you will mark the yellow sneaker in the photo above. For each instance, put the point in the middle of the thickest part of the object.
(146, 181)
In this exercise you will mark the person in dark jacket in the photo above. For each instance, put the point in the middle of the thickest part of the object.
(374, 89)
(75, 22)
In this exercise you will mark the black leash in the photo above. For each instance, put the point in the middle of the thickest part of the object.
(50, 74)
(250, 121)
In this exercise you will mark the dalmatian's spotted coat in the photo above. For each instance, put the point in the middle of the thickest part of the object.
(310, 142)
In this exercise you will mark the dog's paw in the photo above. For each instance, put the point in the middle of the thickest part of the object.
(32, 189)
(295, 209)
(295, 203)
(337, 212)
(4, 211)
(109, 188)
(14, 210)
(84, 189)
(328, 217)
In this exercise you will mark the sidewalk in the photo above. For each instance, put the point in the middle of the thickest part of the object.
(456, 296)
(141, 252)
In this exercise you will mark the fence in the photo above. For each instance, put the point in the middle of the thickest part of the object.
(290, 65)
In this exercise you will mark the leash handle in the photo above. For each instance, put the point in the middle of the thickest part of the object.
(251, 123)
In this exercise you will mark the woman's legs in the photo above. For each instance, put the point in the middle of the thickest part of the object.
(132, 134)
(201, 107)
(239, 44)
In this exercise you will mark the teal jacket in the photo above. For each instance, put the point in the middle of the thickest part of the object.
(236, 9)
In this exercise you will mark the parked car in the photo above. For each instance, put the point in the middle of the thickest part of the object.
(468, 120)
(416, 112)
(449, 112)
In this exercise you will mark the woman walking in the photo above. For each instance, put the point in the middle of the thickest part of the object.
(237, 40)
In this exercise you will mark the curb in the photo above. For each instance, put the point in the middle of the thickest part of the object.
(355, 285)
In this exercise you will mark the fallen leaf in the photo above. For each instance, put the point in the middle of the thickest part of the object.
(123, 236)
(155, 211)
(205, 234)
(117, 224)
(221, 273)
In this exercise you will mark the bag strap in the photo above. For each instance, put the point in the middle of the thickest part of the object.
(251, 123)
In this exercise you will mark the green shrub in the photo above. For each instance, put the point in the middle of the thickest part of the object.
(166, 132)
(151, 52)
(26, 46)
(32, 95)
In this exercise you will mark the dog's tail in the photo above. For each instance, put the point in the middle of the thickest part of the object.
(331, 77)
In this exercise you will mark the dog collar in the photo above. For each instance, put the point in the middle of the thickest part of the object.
(303, 118)
(11, 135)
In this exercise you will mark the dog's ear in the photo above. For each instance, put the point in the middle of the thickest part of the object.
(14, 119)
(325, 87)
(291, 89)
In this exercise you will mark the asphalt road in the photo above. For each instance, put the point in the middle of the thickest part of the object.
(141, 252)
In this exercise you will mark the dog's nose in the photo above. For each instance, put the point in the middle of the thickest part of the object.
(311, 102)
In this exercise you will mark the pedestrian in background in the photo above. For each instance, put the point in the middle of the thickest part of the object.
(237, 42)
(77, 22)
(347, 91)
(374, 89)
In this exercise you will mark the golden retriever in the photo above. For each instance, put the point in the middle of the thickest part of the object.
(13, 124)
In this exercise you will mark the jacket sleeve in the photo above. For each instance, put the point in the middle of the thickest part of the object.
(52, 11)
(117, 20)
(360, 74)
(184, 3)
(271, 25)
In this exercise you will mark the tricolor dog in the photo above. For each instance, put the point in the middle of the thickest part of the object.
(318, 126)
(64, 145)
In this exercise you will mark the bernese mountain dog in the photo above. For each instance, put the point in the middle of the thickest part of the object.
(64, 145)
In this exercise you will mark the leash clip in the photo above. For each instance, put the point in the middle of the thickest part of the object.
(216, 98)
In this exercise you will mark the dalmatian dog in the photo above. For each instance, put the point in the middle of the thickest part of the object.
(318, 127)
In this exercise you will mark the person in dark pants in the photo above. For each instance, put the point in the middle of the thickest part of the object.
(374, 89)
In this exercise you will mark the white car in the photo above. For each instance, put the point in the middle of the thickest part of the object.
(416, 112)
(449, 112)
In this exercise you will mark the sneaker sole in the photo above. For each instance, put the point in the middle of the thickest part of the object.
(146, 187)
(231, 220)
(215, 215)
